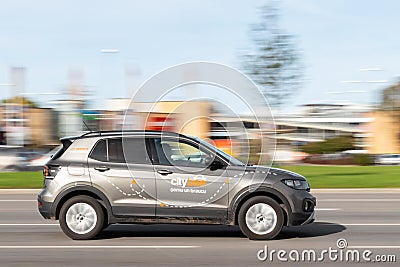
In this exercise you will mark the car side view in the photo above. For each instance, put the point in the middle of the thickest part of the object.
(146, 177)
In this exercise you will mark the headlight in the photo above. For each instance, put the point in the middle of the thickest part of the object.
(297, 184)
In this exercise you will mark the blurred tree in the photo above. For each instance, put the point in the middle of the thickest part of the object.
(332, 145)
(391, 97)
(21, 100)
(275, 63)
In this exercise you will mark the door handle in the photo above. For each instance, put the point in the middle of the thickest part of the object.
(164, 172)
(101, 168)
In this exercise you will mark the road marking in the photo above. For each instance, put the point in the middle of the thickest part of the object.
(17, 200)
(371, 224)
(94, 247)
(326, 209)
(16, 210)
(28, 224)
(360, 199)
(19, 191)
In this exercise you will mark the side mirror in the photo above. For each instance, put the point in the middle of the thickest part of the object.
(215, 165)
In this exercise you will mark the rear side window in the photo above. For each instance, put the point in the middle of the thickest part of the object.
(115, 152)
(100, 151)
(111, 150)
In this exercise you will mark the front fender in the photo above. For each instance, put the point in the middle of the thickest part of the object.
(251, 191)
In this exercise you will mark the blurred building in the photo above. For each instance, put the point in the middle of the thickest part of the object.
(69, 116)
(42, 124)
(318, 122)
(190, 118)
(23, 125)
(374, 131)
(13, 117)
(113, 115)
(383, 132)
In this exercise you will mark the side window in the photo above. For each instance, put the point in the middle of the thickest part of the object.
(136, 151)
(100, 151)
(115, 152)
(112, 150)
(179, 152)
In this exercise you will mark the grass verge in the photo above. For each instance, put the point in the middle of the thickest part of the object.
(21, 179)
(349, 176)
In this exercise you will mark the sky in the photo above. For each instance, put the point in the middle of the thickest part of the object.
(337, 40)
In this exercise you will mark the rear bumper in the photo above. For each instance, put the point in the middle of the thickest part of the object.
(45, 208)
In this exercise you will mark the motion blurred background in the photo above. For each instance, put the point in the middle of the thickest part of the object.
(327, 68)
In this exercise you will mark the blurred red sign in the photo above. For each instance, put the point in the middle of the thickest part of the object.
(160, 123)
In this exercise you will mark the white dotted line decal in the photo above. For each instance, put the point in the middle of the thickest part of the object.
(139, 193)
(134, 192)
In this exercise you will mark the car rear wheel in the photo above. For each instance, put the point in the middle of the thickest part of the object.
(260, 218)
(81, 217)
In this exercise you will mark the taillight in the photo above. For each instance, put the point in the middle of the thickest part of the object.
(46, 171)
(50, 171)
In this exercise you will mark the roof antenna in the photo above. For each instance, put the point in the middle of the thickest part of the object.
(90, 130)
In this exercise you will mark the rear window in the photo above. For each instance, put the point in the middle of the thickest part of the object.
(63, 148)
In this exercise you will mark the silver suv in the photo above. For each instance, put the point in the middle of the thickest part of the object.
(103, 178)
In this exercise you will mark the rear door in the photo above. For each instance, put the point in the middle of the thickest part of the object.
(126, 178)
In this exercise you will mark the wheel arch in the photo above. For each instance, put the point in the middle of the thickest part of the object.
(246, 194)
(83, 191)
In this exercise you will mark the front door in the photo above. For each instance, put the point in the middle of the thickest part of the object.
(187, 185)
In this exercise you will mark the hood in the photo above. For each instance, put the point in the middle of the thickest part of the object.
(277, 171)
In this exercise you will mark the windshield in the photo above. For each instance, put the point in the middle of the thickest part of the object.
(231, 159)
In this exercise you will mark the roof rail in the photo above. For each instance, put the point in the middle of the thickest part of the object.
(95, 133)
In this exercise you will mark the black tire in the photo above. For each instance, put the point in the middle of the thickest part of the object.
(98, 225)
(274, 231)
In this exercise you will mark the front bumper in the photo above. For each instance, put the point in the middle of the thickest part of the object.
(300, 205)
(302, 218)
(305, 213)
(310, 219)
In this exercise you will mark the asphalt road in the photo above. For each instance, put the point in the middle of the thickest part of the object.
(367, 219)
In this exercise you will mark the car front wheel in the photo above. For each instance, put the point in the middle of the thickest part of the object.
(260, 218)
(81, 217)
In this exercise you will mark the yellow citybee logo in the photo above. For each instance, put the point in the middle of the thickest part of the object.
(188, 182)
